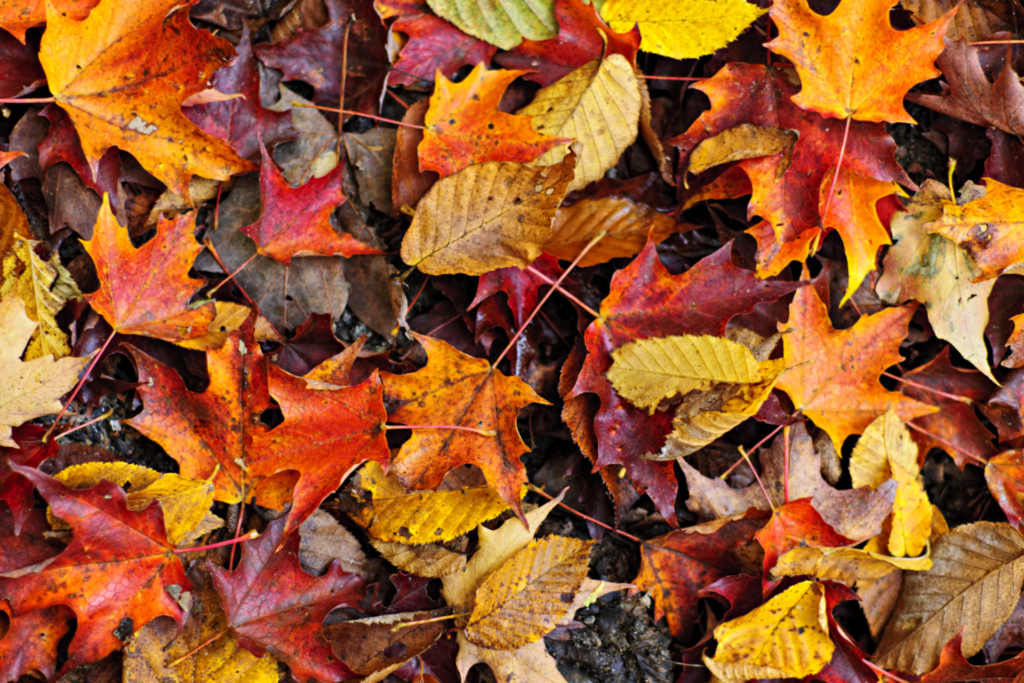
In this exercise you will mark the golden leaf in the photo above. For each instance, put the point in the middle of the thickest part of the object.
(974, 583)
(598, 105)
(485, 217)
(627, 223)
(527, 596)
(397, 515)
(783, 638)
(848, 565)
(431, 560)
(745, 141)
(651, 370)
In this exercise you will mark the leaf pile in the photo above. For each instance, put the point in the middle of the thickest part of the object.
(626, 340)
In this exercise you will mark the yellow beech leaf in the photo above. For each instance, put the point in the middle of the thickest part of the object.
(847, 565)
(990, 228)
(526, 597)
(684, 29)
(627, 223)
(32, 388)
(504, 24)
(598, 105)
(431, 560)
(228, 319)
(745, 141)
(700, 421)
(786, 637)
(485, 217)
(152, 649)
(44, 286)
(887, 451)
(185, 502)
(415, 518)
(974, 584)
(649, 371)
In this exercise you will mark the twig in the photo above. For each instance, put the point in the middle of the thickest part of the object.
(93, 421)
(81, 383)
(359, 113)
(580, 514)
(922, 387)
(564, 292)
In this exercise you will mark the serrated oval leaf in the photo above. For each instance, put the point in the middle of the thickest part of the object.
(526, 596)
(397, 515)
(649, 371)
(628, 224)
(785, 637)
(504, 24)
(485, 217)
(598, 105)
(975, 580)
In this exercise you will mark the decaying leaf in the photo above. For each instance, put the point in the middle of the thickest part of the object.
(373, 647)
(485, 217)
(974, 582)
(431, 560)
(628, 224)
(745, 141)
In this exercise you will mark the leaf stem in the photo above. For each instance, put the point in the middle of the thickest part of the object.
(93, 421)
(882, 672)
(230, 277)
(930, 390)
(29, 100)
(185, 656)
(357, 113)
(81, 383)
(248, 537)
(481, 432)
(785, 467)
(758, 478)
(835, 177)
(563, 292)
(208, 243)
(590, 245)
(541, 491)
(725, 474)
(998, 42)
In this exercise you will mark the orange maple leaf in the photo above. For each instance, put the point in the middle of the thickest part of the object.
(465, 127)
(18, 16)
(146, 290)
(832, 375)
(456, 389)
(122, 73)
(853, 63)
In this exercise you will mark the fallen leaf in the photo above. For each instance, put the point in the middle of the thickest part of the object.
(324, 540)
(604, 89)
(648, 371)
(371, 157)
(31, 640)
(974, 582)
(870, 65)
(786, 637)
(968, 94)
(796, 524)
(582, 37)
(431, 560)
(954, 667)
(986, 227)
(368, 645)
(272, 604)
(116, 570)
(316, 56)
(686, 30)
(184, 502)
(846, 565)
(150, 651)
(464, 125)
(745, 141)
(29, 389)
(971, 22)
(296, 221)
(627, 223)
(675, 567)
(118, 44)
(833, 374)
(242, 121)
(503, 25)
(434, 44)
(397, 515)
(459, 390)
(45, 286)
(145, 291)
(1005, 476)
(22, 71)
(408, 184)
(646, 301)
(931, 269)
(528, 594)
(485, 217)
